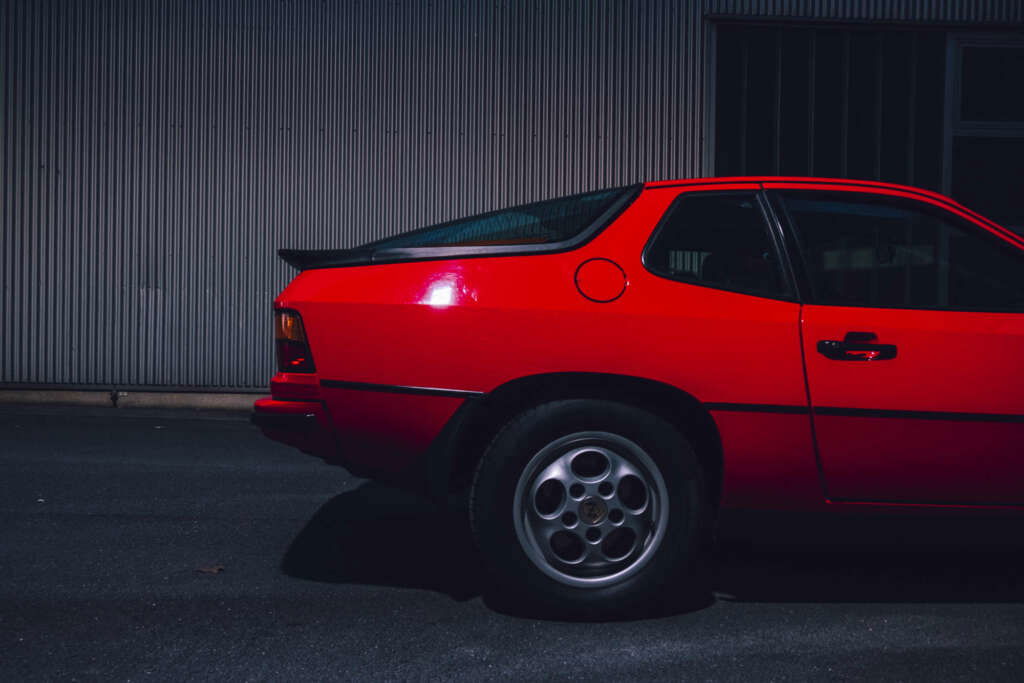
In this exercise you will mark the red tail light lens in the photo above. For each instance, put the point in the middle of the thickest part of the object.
(293, 353)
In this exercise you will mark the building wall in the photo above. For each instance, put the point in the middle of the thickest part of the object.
(1007, 12)
(832, 102)
(154, 155)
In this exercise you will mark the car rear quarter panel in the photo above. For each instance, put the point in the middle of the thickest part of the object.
(474, 324)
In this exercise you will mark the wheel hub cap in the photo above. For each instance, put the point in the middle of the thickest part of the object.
(590, 509)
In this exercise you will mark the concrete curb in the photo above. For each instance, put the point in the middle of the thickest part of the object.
(193, 400)
(130, 399)
(51, 397)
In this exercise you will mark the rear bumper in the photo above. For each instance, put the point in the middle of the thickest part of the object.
(394, 437)
(309, 426)
(302, 424)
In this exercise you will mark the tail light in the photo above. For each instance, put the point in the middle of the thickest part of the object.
(293, 353)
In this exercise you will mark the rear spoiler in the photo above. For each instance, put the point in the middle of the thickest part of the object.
(304, 259)
(308, 259)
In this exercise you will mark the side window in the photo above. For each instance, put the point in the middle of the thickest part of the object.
(887, 252)
(718, 240)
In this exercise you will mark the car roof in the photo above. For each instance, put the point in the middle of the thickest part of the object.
(857, 184)
(866, 184)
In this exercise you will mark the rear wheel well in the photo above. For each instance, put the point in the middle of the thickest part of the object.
(484, 419)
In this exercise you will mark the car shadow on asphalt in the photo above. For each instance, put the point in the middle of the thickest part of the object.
(798, 558)
(382, 536)
(378, 535)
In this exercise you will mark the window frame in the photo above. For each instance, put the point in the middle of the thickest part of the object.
(792, 240)
(774, 233)
(960, 127)
(954, 126)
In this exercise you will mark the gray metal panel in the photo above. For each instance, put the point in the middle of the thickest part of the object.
(154, 154)
(918, 11)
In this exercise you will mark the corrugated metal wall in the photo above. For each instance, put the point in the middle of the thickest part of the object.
(155, 154)
(924, 11)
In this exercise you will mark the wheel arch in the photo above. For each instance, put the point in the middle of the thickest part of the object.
(480, 421)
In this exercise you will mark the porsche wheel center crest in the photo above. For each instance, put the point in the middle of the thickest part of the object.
(593, 510)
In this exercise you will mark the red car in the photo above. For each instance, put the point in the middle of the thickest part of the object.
(603, 372)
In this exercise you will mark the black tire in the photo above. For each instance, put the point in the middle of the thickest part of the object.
(667, 578)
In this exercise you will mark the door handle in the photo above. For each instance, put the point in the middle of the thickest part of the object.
(856, 346)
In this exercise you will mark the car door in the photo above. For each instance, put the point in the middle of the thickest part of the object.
(913, 338)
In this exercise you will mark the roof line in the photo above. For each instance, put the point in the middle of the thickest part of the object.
(851, 182)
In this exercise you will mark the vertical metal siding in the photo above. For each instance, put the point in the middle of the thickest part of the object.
(154, 155)
(916, 11)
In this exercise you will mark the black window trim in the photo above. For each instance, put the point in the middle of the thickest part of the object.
(876, 187)
(868, 186)
(370, 254)
(786, 244)
(770, 225)
(629, 194)
(792, 239)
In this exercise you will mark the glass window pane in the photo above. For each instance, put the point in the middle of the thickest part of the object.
(554, 220)
(991, 84)
(718, 240)
(988, 174)
(883, 252)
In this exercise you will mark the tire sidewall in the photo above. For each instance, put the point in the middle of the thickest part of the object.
(509, 454)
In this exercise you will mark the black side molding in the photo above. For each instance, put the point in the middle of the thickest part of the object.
(865, 412)
(919, 415)
(757, 408)
(399, 389)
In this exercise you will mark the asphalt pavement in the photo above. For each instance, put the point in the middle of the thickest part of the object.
(153, 546)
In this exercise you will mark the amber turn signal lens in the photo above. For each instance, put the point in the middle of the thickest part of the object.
(293, 353)
(288, 325)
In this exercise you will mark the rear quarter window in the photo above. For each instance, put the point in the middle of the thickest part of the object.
(720, 240)
(546, 222)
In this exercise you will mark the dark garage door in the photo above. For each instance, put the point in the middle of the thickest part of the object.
(920, 107)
